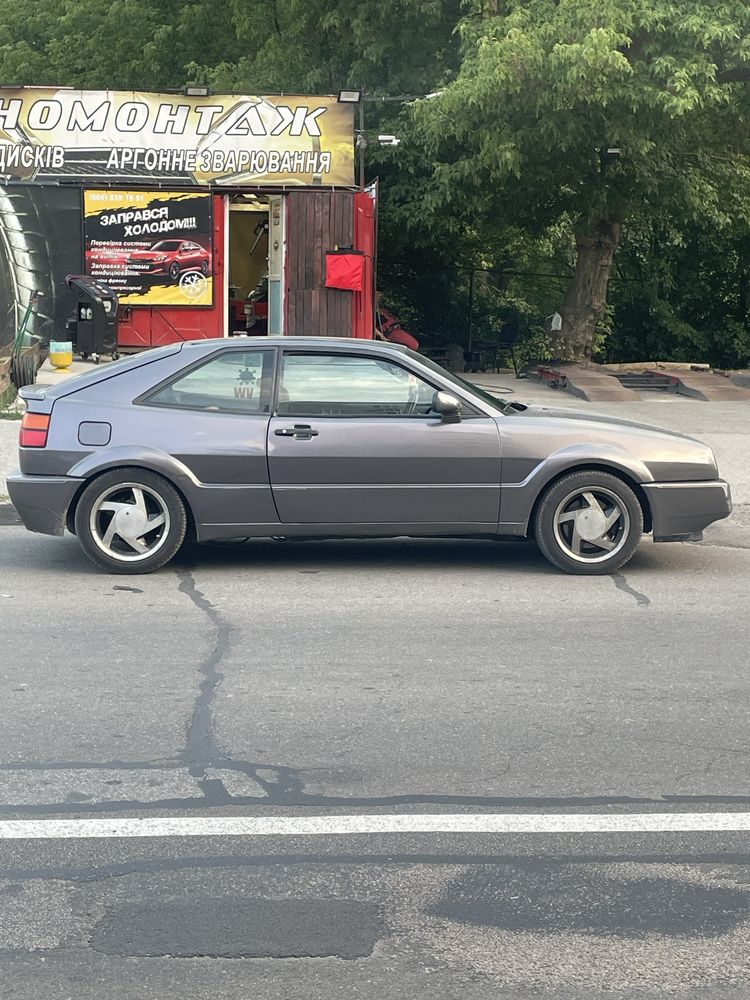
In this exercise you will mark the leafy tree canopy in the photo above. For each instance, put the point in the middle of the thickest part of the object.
(547, 87)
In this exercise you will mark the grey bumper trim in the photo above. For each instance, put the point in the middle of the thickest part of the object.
(680, 510)
(42, 501)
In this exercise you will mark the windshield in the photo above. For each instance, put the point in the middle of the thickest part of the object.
(496, 402)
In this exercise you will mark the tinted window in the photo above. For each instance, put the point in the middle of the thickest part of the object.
(235, 381)
(344, 385)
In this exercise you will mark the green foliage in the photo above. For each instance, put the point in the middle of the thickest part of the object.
(680, 296)
(320, 46)
(127, 44)
(7, 398)
(546, 86)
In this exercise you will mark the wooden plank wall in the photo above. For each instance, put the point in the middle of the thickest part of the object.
(317, 221)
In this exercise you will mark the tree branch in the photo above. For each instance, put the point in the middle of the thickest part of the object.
(739, 74)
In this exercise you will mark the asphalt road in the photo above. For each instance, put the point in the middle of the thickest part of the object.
(410, 679)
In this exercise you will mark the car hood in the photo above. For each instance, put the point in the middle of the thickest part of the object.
(563, 413)
(148, 254)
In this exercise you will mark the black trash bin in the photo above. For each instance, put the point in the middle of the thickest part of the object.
(93, 327)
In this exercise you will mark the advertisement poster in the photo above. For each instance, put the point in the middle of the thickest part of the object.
(48, 134)
(152, 247)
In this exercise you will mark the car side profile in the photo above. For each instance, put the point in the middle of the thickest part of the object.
(171, 258)
(323, 437)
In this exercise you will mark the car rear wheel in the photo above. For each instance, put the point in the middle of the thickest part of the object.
(588, 522)
(130, 521)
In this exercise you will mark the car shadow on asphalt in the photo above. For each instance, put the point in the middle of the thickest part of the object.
(47, 556)
(399, 555)
(410, 554)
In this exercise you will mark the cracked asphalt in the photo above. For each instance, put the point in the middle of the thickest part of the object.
(307, 678)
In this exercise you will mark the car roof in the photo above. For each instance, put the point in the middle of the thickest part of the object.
(319, 343)
(316, 344)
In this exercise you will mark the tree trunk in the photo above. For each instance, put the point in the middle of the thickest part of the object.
(587, 295)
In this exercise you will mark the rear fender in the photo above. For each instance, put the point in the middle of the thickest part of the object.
(144, 458)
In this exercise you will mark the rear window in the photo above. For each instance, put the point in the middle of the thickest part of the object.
(233, 381)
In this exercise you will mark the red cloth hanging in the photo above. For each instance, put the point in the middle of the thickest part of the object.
(345, 270)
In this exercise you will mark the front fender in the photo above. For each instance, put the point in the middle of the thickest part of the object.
(517, 499)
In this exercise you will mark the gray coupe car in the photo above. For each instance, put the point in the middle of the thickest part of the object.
(321, 437)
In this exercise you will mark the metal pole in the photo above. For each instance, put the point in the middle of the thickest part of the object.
(471, 305)
(361, 145)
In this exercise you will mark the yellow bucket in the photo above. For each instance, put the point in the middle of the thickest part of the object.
(60, 354)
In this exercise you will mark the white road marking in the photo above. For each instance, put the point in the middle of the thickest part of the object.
(415, 823)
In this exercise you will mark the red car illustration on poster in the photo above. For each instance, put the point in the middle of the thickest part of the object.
(171, 257)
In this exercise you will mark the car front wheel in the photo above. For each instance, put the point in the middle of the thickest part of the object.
(130, 521)
(588, 522)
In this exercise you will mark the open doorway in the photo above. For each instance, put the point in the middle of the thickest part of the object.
(248, 264)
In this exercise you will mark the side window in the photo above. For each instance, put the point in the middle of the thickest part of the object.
(340, 385)
(231, 382)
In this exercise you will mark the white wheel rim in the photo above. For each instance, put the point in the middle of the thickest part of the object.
(129, 522)
(591, 525)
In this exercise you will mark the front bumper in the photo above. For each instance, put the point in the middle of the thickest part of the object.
(681, 511)
(42, 502)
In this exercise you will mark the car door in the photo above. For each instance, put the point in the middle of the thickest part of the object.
(353, 440)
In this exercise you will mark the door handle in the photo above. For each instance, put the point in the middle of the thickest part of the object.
(300, 432)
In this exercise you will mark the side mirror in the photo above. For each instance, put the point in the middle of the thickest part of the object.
(448, 406)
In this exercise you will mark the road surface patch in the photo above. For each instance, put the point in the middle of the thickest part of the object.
(240, 928)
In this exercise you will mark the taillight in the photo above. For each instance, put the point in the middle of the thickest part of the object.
(34, 428)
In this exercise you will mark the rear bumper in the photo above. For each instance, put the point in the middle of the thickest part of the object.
(682, 510)
(42, 502)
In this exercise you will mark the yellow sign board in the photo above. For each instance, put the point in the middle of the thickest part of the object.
(49, 134)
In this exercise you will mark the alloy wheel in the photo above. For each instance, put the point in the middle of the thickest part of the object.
(129, 522)
(591, 525)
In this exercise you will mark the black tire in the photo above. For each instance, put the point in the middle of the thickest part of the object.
(161, 496)
(174, 270)
(556, 527)
(204, 268)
